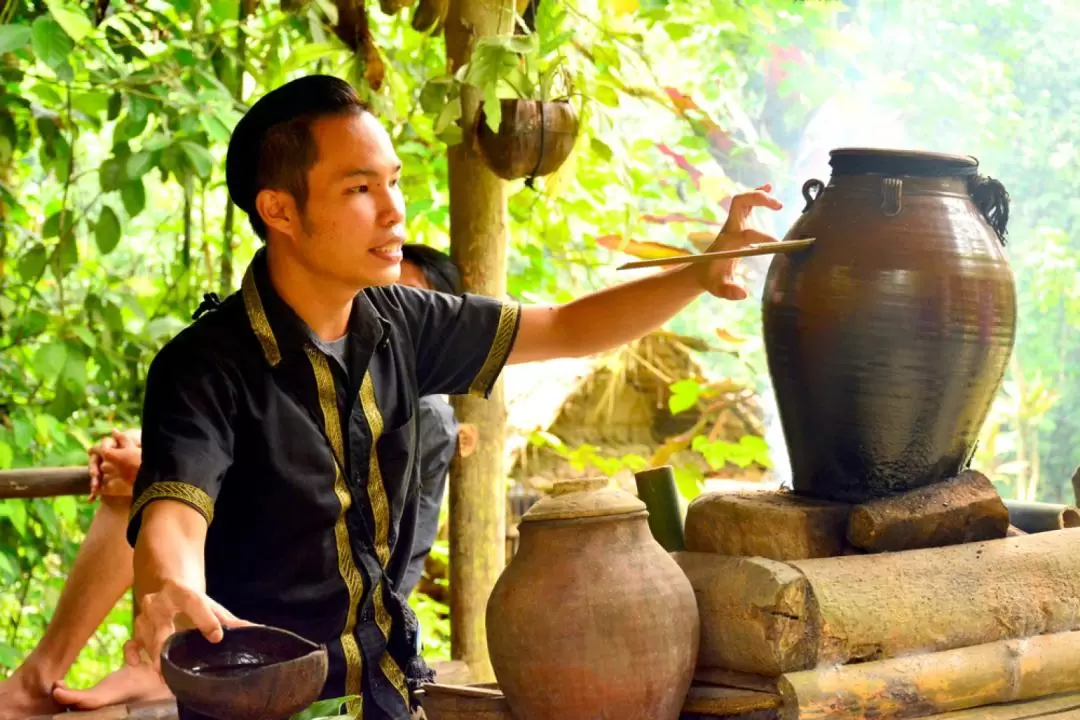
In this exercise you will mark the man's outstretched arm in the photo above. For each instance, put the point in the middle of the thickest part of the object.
(626, 312)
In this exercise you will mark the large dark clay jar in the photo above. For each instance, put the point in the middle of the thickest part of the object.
(888, 338)
(592, 619)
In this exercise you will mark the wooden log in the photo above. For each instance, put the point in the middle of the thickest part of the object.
(766, 617)
(756, 614)
(774, 525)
(478, 244)
(1057, 707)
(1014, 532)
(920, 685)
(44, 482)
(1036, 517)
(451, 672)
(966, 508)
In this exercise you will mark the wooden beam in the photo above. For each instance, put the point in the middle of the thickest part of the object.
(44, 482)
(478, 245)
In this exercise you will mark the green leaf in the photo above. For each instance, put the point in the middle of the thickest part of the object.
(50, 358)
(601, 148)
(50, 43)
(67, 255)
(52, 227)
(690, 481)
(324, 709)
(214, 127)
(107, 230)
(684, 395)
(7, 455)
(138, 164)
(13, 37)
(66, 508)
(116, 103)
(32, 263)
(606, 95)
(200, 158)
(10, 569)
(133, 194)
(72, 19)
(492, 108)
(111, 174)
(129, 127)
(433, 96)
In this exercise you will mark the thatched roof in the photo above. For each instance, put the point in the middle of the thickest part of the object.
(615, 406)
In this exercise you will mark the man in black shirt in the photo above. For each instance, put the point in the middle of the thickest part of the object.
(280, 486)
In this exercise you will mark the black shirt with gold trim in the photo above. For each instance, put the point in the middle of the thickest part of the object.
(307, 475)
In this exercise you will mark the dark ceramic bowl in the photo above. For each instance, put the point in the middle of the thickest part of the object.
(254, 673)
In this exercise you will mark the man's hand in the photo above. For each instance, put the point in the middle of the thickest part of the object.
(114, 463)
(161, 611)
(719, 277)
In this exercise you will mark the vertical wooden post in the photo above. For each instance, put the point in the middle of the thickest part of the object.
(478, 245)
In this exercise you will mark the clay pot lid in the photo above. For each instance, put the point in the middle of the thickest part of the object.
(583, 498)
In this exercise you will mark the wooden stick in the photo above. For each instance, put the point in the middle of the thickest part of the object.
(44, 482)
(920, 685)
(1057, 707)
(787, 246)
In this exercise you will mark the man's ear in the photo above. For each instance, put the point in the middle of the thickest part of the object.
(277, 208)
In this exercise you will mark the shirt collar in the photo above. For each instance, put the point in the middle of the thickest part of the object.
(282, 333)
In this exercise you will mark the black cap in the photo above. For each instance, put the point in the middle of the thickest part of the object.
(312, 95)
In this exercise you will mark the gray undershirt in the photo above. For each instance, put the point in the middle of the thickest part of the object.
(337, 349)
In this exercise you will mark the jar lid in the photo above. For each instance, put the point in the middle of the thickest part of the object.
(583, 498)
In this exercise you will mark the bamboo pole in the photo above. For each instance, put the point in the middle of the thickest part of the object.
(1036, 517)
(44, 482)
(920, 685)
(478, 245)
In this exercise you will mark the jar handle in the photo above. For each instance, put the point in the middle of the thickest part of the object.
(814, 185)
(892, 196)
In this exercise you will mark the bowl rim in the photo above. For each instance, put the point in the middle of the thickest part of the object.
(170, 666)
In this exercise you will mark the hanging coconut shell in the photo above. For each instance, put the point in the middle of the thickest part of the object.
(534, 138)
(392, 7)
(430, 15)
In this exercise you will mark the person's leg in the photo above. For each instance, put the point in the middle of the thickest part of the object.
(101, 574)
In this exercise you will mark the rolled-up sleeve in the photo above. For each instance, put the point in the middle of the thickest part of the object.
(462, 343)
(187, 432)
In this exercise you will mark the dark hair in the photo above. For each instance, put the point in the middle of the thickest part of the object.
(272, 145)
(441, 272)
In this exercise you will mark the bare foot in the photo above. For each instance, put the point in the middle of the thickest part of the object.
(131, 683)
(21, 697)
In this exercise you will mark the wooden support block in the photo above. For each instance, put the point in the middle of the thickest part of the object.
(1036, 517)
(767, 617)
(964, 509)
(755, 613)
(920, 685)
(774, 525)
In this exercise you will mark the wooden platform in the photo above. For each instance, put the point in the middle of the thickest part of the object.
(704, 703)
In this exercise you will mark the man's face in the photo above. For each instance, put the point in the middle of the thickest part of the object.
(353, 224)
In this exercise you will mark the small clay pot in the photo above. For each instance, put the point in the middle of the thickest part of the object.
(254, 673)
(592, 619)
(534, 138)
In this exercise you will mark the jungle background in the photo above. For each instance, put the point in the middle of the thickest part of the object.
(114, 220)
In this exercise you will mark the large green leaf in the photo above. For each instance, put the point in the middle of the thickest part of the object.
(107, 230)
(50, 43)
(133, 195)
(14, 37)
(71, 18)
(201, 159)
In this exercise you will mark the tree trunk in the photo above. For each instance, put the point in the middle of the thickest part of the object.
(478, 246)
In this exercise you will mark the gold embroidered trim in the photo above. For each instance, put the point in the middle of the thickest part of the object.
(499, 351)
(380, 505)
(172, 490)
(260, 324)
(350, 574)
(387, 663)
